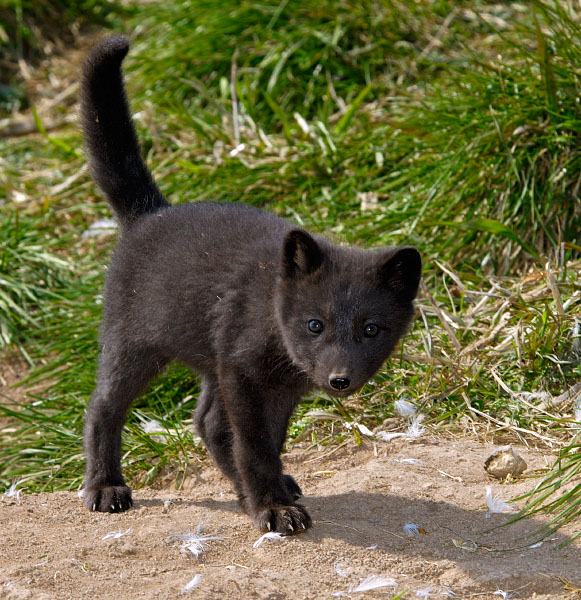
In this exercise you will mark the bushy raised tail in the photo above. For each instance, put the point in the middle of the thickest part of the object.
(113, 150)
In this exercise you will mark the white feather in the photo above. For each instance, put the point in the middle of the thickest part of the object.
(339, 567)
(374, 582)
(271, 535)
(12, 492)
(155, 427)
(193, 584)
(416, 430)
(117, 534)
(100, 228)
(403, 408)
(495, 504)
(502, 593)
(364, 430)
(411, 529)
(387, 437)
(361, 428)
(194, 542)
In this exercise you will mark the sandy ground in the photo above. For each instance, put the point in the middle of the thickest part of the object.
(359, 498)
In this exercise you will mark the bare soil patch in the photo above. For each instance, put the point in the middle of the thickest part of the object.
(13, 369)
(359, 498)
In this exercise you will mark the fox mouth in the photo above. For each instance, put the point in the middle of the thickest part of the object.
(339, 393)
(335, 393)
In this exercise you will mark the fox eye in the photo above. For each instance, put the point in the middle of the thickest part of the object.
(315, 326)
(371, 330)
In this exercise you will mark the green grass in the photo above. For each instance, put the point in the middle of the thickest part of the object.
(377, 123)
(32, 277)
(562, 508)
(487, 145)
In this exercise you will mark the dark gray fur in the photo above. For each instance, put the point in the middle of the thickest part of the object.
(228, 290)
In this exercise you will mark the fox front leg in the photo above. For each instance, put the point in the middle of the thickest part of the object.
(269, 499)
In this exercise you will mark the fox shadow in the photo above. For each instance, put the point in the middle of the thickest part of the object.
(476, 541)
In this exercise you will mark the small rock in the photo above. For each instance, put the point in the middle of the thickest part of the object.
(505, 461)
(389, 423)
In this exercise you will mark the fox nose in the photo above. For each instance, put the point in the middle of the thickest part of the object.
(340, 383)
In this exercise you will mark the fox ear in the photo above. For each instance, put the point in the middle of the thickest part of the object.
(401, 272)
(301, 254)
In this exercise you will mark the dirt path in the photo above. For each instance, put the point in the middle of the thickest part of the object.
(53, 549)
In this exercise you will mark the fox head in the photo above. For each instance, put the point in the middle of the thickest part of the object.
(342, 310)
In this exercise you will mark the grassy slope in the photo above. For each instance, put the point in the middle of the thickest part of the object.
(373, 122)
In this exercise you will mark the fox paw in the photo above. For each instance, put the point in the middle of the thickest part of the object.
(108, 498)
(287, 520)
(292, 487)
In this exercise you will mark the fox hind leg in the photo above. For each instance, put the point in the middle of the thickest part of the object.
(211, 421)
(123, 375)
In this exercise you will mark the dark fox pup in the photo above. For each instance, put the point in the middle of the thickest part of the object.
(261, 309)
